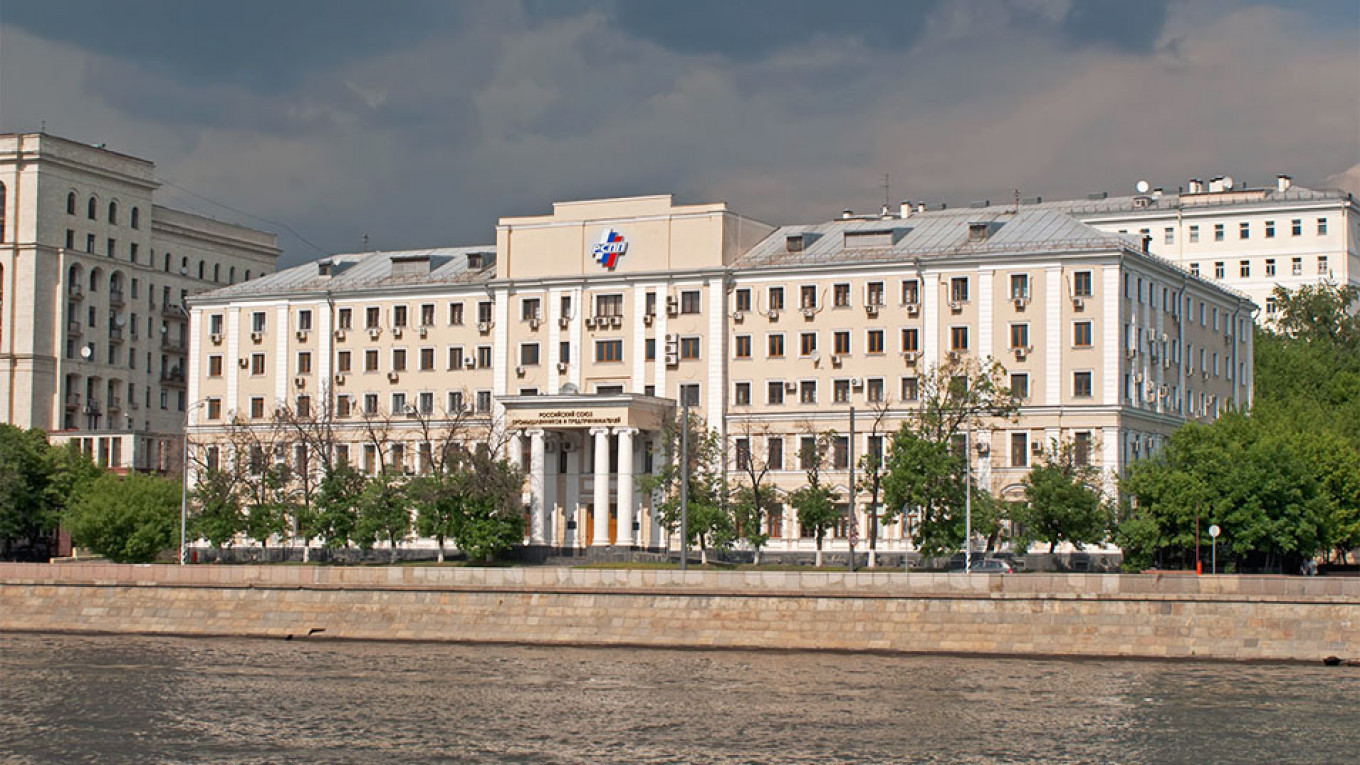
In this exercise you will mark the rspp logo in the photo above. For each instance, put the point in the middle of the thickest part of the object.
(610, 247)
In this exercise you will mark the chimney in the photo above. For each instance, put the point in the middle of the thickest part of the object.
(324, 267)
(904, 209)
(883, 212)
(1147, 243)
(921, 207)
(1196, 186)
(1283, 182)
(847, 214)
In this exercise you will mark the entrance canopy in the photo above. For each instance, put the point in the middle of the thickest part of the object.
(584, 411)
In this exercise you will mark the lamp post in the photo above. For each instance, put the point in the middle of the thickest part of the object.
(967, 497)
(184, 485)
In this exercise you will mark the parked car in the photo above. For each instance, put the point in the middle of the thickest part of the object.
(985, 566)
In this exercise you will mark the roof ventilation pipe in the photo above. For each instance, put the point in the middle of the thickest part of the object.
(847, 214)
(1196, 186)
(904, 209)
(1283, 182)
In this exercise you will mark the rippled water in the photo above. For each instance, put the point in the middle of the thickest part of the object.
(112, 699)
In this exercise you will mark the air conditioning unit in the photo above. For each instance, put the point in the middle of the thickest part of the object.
(1036, 448)
(955, 355)
(835, 360)
(519, 371)
(791, 387)
(1020, 353)
(856, 383)
(672, 305)
(913, 309)
(738, 317)
(871, 309)
(299, 382)
(590, 322)
(1151, 389)
(423, 332)
(408, 410)
(484, 327)
(339, 334)
(647, 319)
(469, 363)
(1138, 378)
(815, 356)
(393, 377)
(340, 379)
(564, 321)
(302, 335)
(562, 367)
(773, 315)
(216, 338)
(808, 313)
(373, 333)
(533, 323)
(257, 336)
(1078, 304)
(396, 332)
(910, 356)
(955, 307)
(672, 359)
(243, 362)
(1131, 353)
(616, 321)
(1020, 303)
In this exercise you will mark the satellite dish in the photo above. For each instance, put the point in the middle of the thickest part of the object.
(1143, 187)
(1228, 182)
(570, 389)
(86, 352)
(119, 321)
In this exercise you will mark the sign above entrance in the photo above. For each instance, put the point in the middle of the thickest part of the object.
(609, 249)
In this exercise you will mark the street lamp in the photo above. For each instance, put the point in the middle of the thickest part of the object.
(184, 485)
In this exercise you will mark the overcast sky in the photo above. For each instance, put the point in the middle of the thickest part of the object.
(419, 123)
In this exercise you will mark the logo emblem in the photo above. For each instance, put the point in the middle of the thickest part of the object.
(610, 247)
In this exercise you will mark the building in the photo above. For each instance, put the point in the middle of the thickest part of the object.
(572, 338)
(93, 280)
(1250, 239)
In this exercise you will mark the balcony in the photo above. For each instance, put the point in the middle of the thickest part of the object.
(172, 345)
(75, 292)
(73, 328)
(174, 311)
(72, 400)
(115, 334)
(115, 404)
(116, 299)
(173, 378)
(92, 407)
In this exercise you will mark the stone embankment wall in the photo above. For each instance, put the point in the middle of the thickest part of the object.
(1109, 615)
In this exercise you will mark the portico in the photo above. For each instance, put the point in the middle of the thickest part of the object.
(584, 455)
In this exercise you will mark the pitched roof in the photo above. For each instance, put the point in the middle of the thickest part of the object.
(366, 271)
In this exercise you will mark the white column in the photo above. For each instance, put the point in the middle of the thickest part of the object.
(654, 517)
(538, 511)
(550, 463)
(626, 503)
(571, 501)
(601, 451)
(515, 447)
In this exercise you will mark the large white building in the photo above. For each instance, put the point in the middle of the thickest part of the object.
(576, 333)
(93, 280)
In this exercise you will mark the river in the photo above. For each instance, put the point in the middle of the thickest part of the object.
(110, 699)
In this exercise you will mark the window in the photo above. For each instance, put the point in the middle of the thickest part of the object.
(70, 239)
(873, 390)
(689, 348)
(743, 450)
(1081, 384)
(483, 401)
(528, 354)
(1296, 267)
(911, 292)
(958, 338)
(455, 401)
(1019, 336)
(1168, 235)
(840, 343)
(776, 295)
(1270, 229)
(1081, 334)
(689, 394)
(455, 314)
(1020, 385)
(256, 407)
(840, 296)
(1194, 269)
(1194, 233)
(1218, 269)
(775, 453)
(214, 408)
(426, 359)
(742, 394)
(372, 317)
(304, 362)
(873, 293)
(371, 360)
(529, 309)
(807, 296)
(911, 388)
(875, 341)
(257, 321)
(742, 300)
(1244, 268)
(1296, 227)
(342, 361)
(807, 392)
(71, 203)
(775, 345)
(1272, 307)
(1218, 232)
(132, 252)
(608, 350)
(609, 305)
(958, 289)
(214, 366)
(1322, 226)
(807, 343)
(840, 391)
(689, 301)
(1322, 264)
(455, 360)
(256, 363)
(484, 311)
(1019, 286)
(1019, 450)
(90, 209)
(427, 314)
(742, 346)
(398, 316)
(484, 356)
(370, 403)
(426, 400)
(344, 318)
(648, 349)
(136, 220)
(1081, 447)
(840, 452)
(1244, 231)
(1270, 266)
(774, 392)
(911, 339)
(808, 453)
(303, 406)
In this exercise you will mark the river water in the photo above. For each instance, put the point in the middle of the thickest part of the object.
(109, 699)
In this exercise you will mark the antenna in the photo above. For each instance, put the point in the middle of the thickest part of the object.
(365, 242)
(886, 189)
(1142, 187)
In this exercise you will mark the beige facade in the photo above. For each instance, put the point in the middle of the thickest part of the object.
(577, 334)
(95, 276)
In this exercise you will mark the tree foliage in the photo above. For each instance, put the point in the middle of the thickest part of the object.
(1063, 502)
(37, 482)
(128, 519)
(711, 524)
(816, 502)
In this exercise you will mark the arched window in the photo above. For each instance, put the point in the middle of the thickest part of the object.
(113, 212)
(167, 262)
(73, 275)
(116, 282)
(201, 266)
(90, 209)
(231, 275)
(184, 266)
(217, 272)
(70, 203)
(247, 274)
(136, 218)
(96, 275)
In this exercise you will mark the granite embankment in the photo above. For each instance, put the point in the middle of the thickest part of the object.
(1110, 615)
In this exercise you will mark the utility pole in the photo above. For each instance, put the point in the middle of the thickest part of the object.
(684, 484)
(967, 497)
(852, 530)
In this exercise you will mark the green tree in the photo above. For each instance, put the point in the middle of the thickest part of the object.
(710, 518)
(383, 514)
(490, 515)
(337, 504)
(218, 517)
(274, 505)
(129, 519)
(26, 509)
(439, 508)
(753, 498)
(1063, 502)
(816, 502)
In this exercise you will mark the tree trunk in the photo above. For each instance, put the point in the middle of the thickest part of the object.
(818, 562)
(703, 555)
(306, 551)
(873, 557)
(392, 557)
(756, 559)
(440, 559)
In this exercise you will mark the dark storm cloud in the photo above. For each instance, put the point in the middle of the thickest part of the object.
(1130, 27)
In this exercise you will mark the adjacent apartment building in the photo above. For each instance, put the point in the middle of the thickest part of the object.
(94, 275)
(571, 340)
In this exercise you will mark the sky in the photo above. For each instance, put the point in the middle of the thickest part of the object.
(419, 123)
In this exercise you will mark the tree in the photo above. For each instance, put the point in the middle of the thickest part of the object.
(490, 516)
(1063, 502)
(129, 519)
(268, 516)
(710, 521)
(218, 517)
(871, 473)
(26, 510)
(753, 499)
(383, 514)
(337, 504)
(816, 502)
